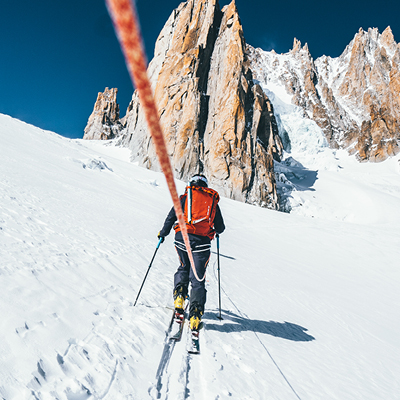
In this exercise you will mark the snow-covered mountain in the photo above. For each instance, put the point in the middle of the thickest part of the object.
(310, 299)
(354, 99)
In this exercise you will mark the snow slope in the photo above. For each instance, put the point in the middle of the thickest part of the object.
(310, 305)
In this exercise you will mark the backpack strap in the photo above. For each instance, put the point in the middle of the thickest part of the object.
(189, 205)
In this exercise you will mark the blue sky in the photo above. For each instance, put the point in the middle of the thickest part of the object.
(56, 55)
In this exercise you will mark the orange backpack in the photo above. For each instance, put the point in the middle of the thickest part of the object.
(199, 210)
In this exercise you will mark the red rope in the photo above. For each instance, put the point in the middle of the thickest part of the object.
(126, 26)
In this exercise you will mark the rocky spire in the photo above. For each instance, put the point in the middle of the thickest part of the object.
(388, 38)
(216, 120)
(296, 45)
(238, 154)
(104, 123)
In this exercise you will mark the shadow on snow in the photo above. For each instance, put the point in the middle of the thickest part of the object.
(234, 323)
(224, 256)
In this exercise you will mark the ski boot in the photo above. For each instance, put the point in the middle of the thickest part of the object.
(180, 295)
(195, 314)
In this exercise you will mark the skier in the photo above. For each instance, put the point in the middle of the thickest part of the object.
(203, 220)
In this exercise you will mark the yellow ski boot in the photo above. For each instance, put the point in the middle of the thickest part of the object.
(179, 299)
(179, 302)
(195, 318)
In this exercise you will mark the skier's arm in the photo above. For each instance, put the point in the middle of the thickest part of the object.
(219, 225)
(169, 222)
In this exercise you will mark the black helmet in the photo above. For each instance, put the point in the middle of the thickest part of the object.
(198, 180)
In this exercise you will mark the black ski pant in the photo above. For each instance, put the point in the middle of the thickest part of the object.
(201, 250)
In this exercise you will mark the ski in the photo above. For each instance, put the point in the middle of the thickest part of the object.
(177, 323)
(193, 342)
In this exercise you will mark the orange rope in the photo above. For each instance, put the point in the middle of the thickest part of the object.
(126, 26)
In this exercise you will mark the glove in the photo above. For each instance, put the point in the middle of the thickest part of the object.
(162, 238)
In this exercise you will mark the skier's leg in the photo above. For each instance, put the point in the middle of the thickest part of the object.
(198, 294)
(181, 279)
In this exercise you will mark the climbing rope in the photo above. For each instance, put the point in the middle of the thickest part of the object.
(124, 17)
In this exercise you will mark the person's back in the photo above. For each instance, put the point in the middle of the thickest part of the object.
(203, 220)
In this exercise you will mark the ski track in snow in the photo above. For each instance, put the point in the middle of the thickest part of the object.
(309, 305)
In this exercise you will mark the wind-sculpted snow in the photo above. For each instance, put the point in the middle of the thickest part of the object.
(309, 305)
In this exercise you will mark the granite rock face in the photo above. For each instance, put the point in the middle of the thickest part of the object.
(104, 122)
(241, 136)
(215, 119)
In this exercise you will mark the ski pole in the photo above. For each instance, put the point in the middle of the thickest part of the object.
(219, 278)
(148, 269)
